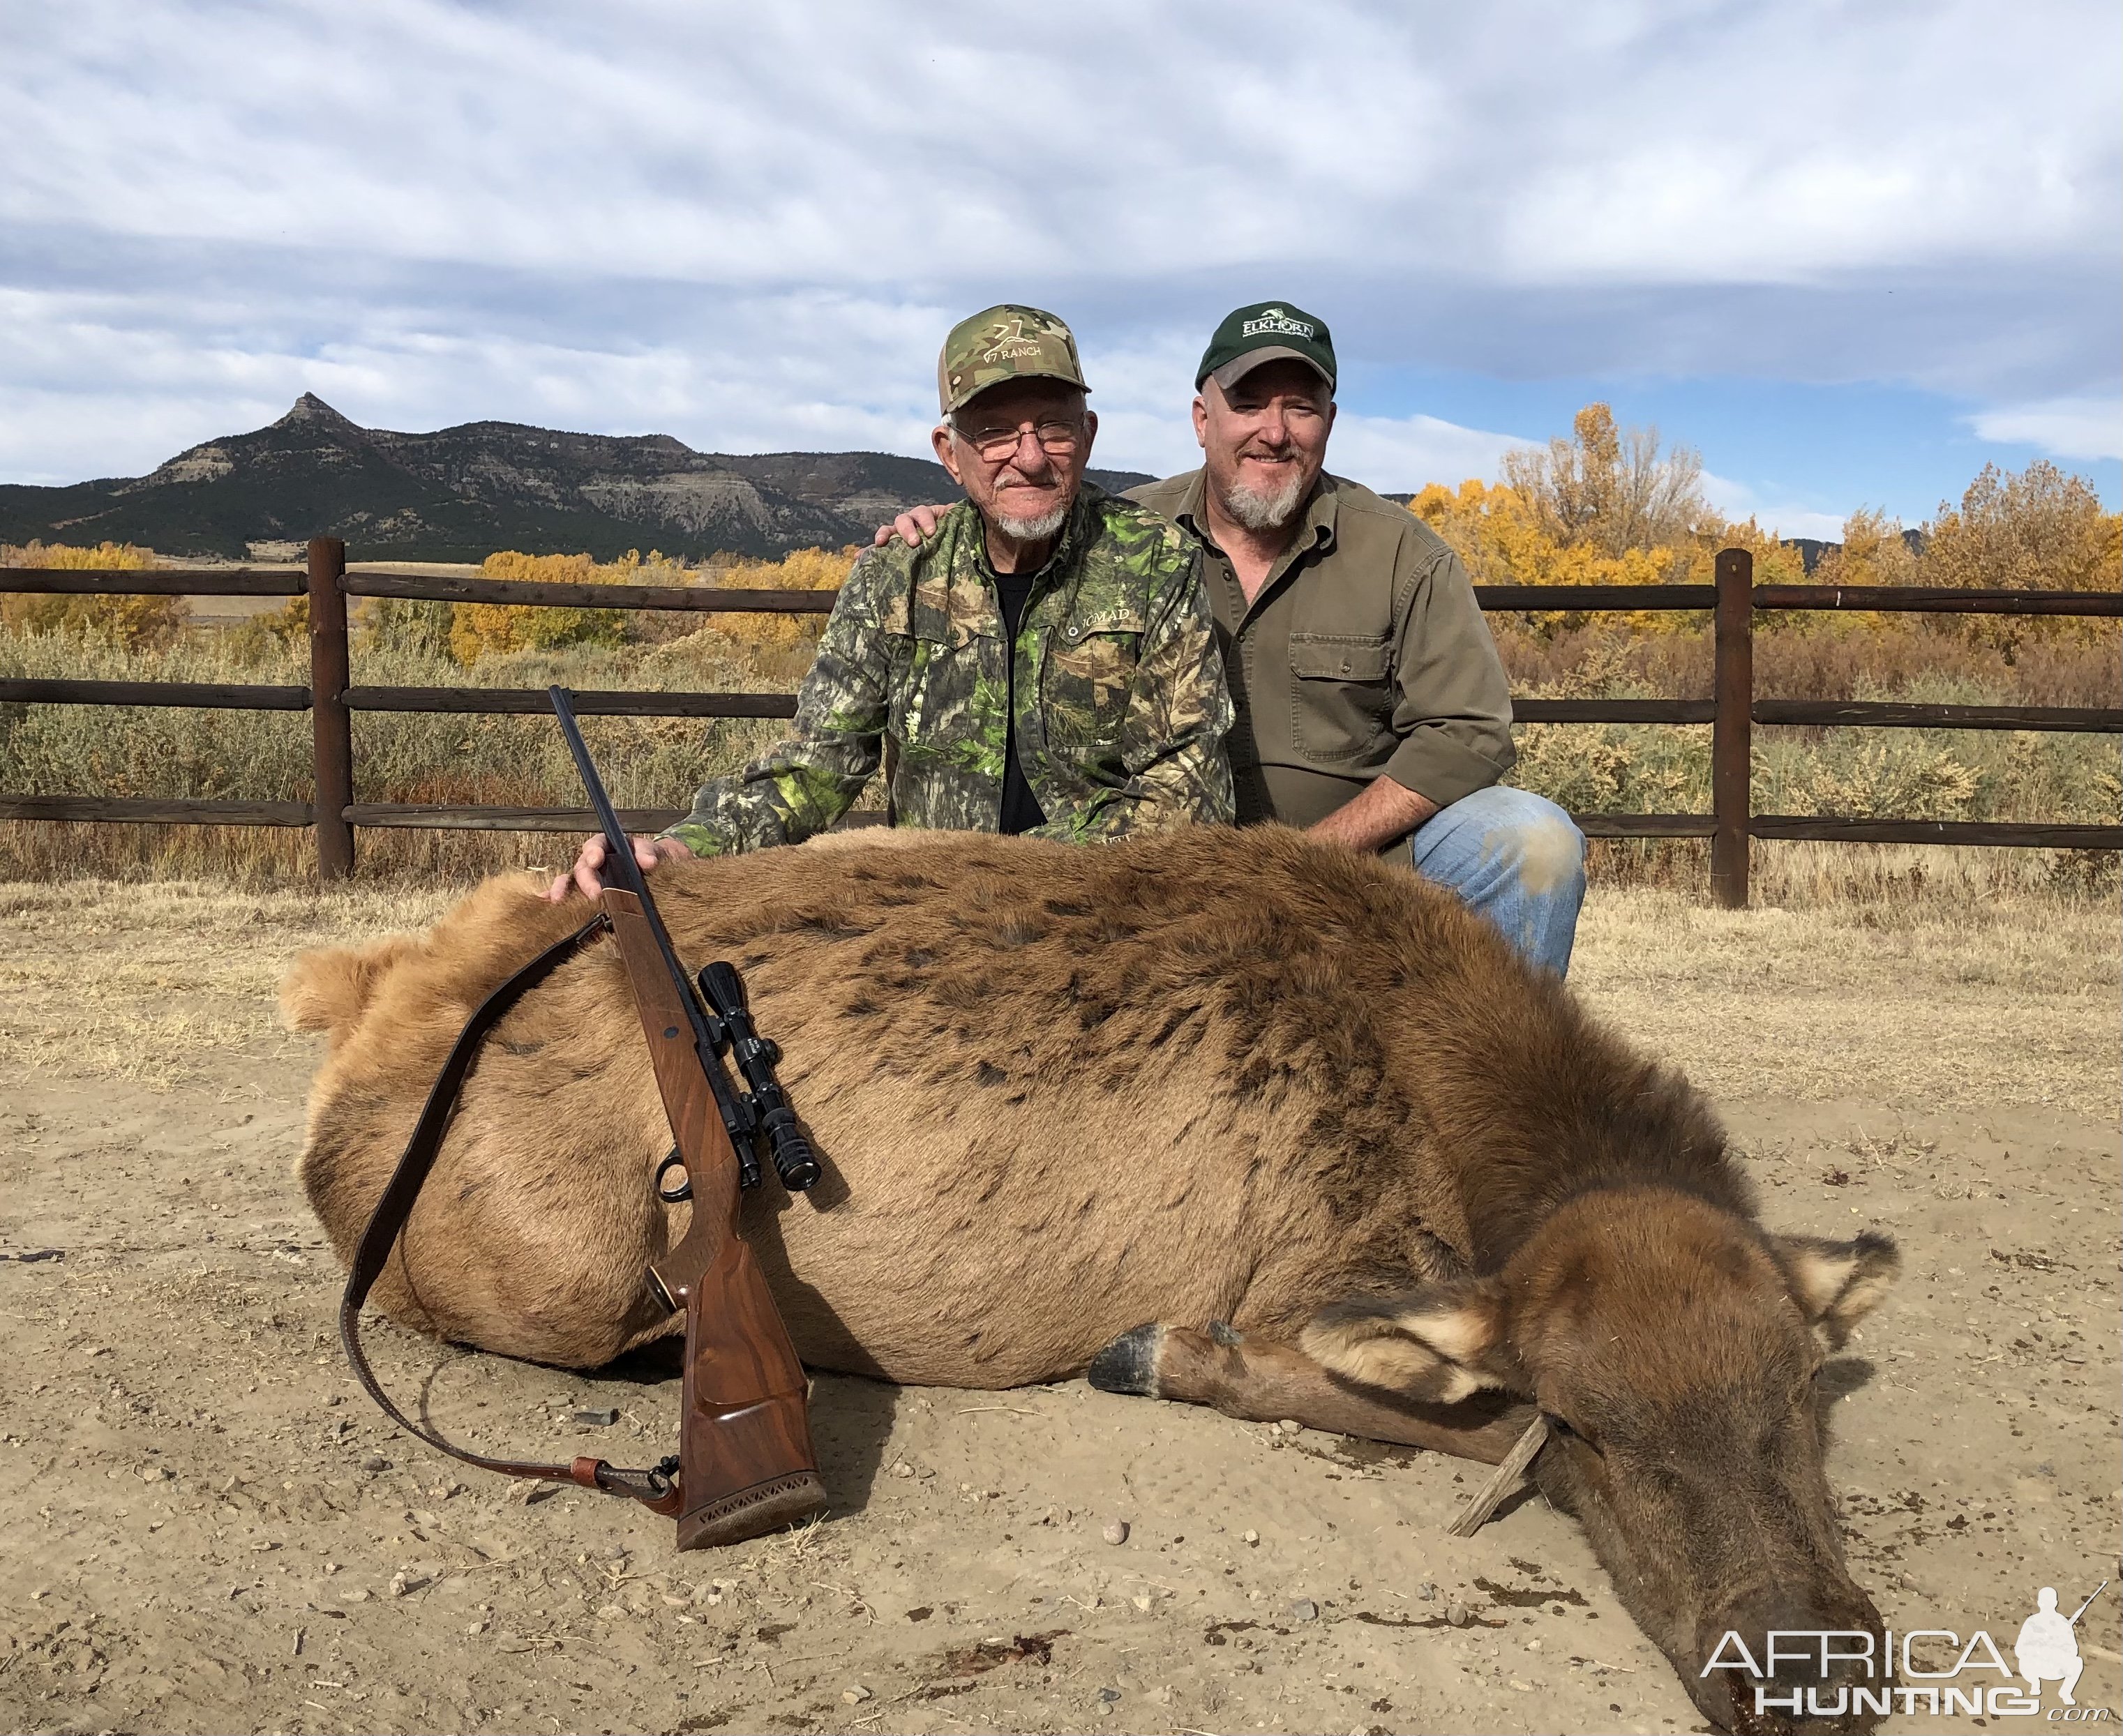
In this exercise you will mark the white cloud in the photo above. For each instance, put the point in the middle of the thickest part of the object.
(748, 226)
(1398, 455)
(757, 144)
(1786, 144)
(109, 385)
(1738, 502)
(2065, 428)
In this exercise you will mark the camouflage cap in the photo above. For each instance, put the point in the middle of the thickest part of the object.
(1267, 331)
(1004, 343)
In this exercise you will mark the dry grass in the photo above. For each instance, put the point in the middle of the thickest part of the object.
(1820, 656)
(265, 755)
(1963, 996)
(1905, 773)
(1948, 979)
(165, 982)
(69, 750)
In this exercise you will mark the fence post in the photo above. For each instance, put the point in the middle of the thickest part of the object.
(1731, 734)
(332, 726)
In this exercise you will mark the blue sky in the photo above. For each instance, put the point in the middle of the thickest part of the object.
(1851, 253)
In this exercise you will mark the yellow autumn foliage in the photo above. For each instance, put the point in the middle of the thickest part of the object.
(136, 622)
(806, 569)
(1604, 506)
(773, 644)
(1501, 540)
(1873, 552)
(2039, 529)
(1776, 561)
(272, 634)
(777, 645)
(485, 629)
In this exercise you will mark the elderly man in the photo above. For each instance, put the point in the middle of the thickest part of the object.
(1372, 707)
(1045, 662)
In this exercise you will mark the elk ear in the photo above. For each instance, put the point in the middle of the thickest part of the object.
(1839, 1282)
(1436, 1345)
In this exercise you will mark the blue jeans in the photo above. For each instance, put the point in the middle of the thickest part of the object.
(1516, 859)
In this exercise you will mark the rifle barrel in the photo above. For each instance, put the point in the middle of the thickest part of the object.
(621, 866)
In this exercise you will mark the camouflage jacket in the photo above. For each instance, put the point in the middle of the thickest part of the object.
(1122, 710)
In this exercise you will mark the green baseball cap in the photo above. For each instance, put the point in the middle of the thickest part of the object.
(1267, 331)
(1004, 343)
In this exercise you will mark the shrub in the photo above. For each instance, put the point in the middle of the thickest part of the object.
(390, 623)
(138, 622)
(272, 636)
(485, 629)
(779, 646)
(2039, 530)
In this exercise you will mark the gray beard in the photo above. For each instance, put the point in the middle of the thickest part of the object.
(1258, 511)
(1032, 530)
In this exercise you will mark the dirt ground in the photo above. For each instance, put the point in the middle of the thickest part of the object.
(208, 1528)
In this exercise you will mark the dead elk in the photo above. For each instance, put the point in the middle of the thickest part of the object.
(1313, 1121)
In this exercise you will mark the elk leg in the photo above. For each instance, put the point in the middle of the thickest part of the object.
(1259, 1380)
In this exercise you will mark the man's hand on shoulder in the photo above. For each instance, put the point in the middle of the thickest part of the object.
(913, 527)
(585, 877)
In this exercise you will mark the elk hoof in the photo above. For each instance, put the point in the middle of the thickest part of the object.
(1223, 1332)
(1129, 1363)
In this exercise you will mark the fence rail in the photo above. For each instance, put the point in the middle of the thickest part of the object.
(331, 700)
(156, 581)
(549, 594)
(612, 703)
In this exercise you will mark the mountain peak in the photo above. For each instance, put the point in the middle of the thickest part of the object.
(457, 494)
(310, 408)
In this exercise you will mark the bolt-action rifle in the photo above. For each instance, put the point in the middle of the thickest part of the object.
(745, 1464)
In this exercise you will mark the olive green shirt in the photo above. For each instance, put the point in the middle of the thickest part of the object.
(1365, 652)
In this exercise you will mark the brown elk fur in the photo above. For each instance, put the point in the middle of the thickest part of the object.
(1212, 1076)
(1350, 1158)
(1216, 1076)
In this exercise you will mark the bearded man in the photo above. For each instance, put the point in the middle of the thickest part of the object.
(1044, 662)
(1372, 707)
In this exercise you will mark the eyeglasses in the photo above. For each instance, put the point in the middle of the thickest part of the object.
(1056, 439)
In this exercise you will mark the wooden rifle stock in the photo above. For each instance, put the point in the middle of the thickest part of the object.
(746, 1462)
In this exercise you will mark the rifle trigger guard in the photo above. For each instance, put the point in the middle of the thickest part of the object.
(684, 1191)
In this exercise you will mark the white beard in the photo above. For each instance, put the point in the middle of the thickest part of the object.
(1269, 512)
(1032, 530)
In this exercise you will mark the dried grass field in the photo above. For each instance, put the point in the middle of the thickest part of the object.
(210, 1530)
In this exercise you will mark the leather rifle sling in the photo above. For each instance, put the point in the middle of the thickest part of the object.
(655, 1488)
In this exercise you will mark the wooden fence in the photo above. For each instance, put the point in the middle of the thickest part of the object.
(331, 699)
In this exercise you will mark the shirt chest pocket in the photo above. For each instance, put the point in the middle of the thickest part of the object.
(1341, 696)
(1089, 674)
(933, 683)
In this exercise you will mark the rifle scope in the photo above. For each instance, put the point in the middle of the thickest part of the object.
(755, 1056)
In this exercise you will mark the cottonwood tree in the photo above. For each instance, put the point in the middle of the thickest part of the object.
(2039, 529)
(1874, 551)
(1608, 487)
